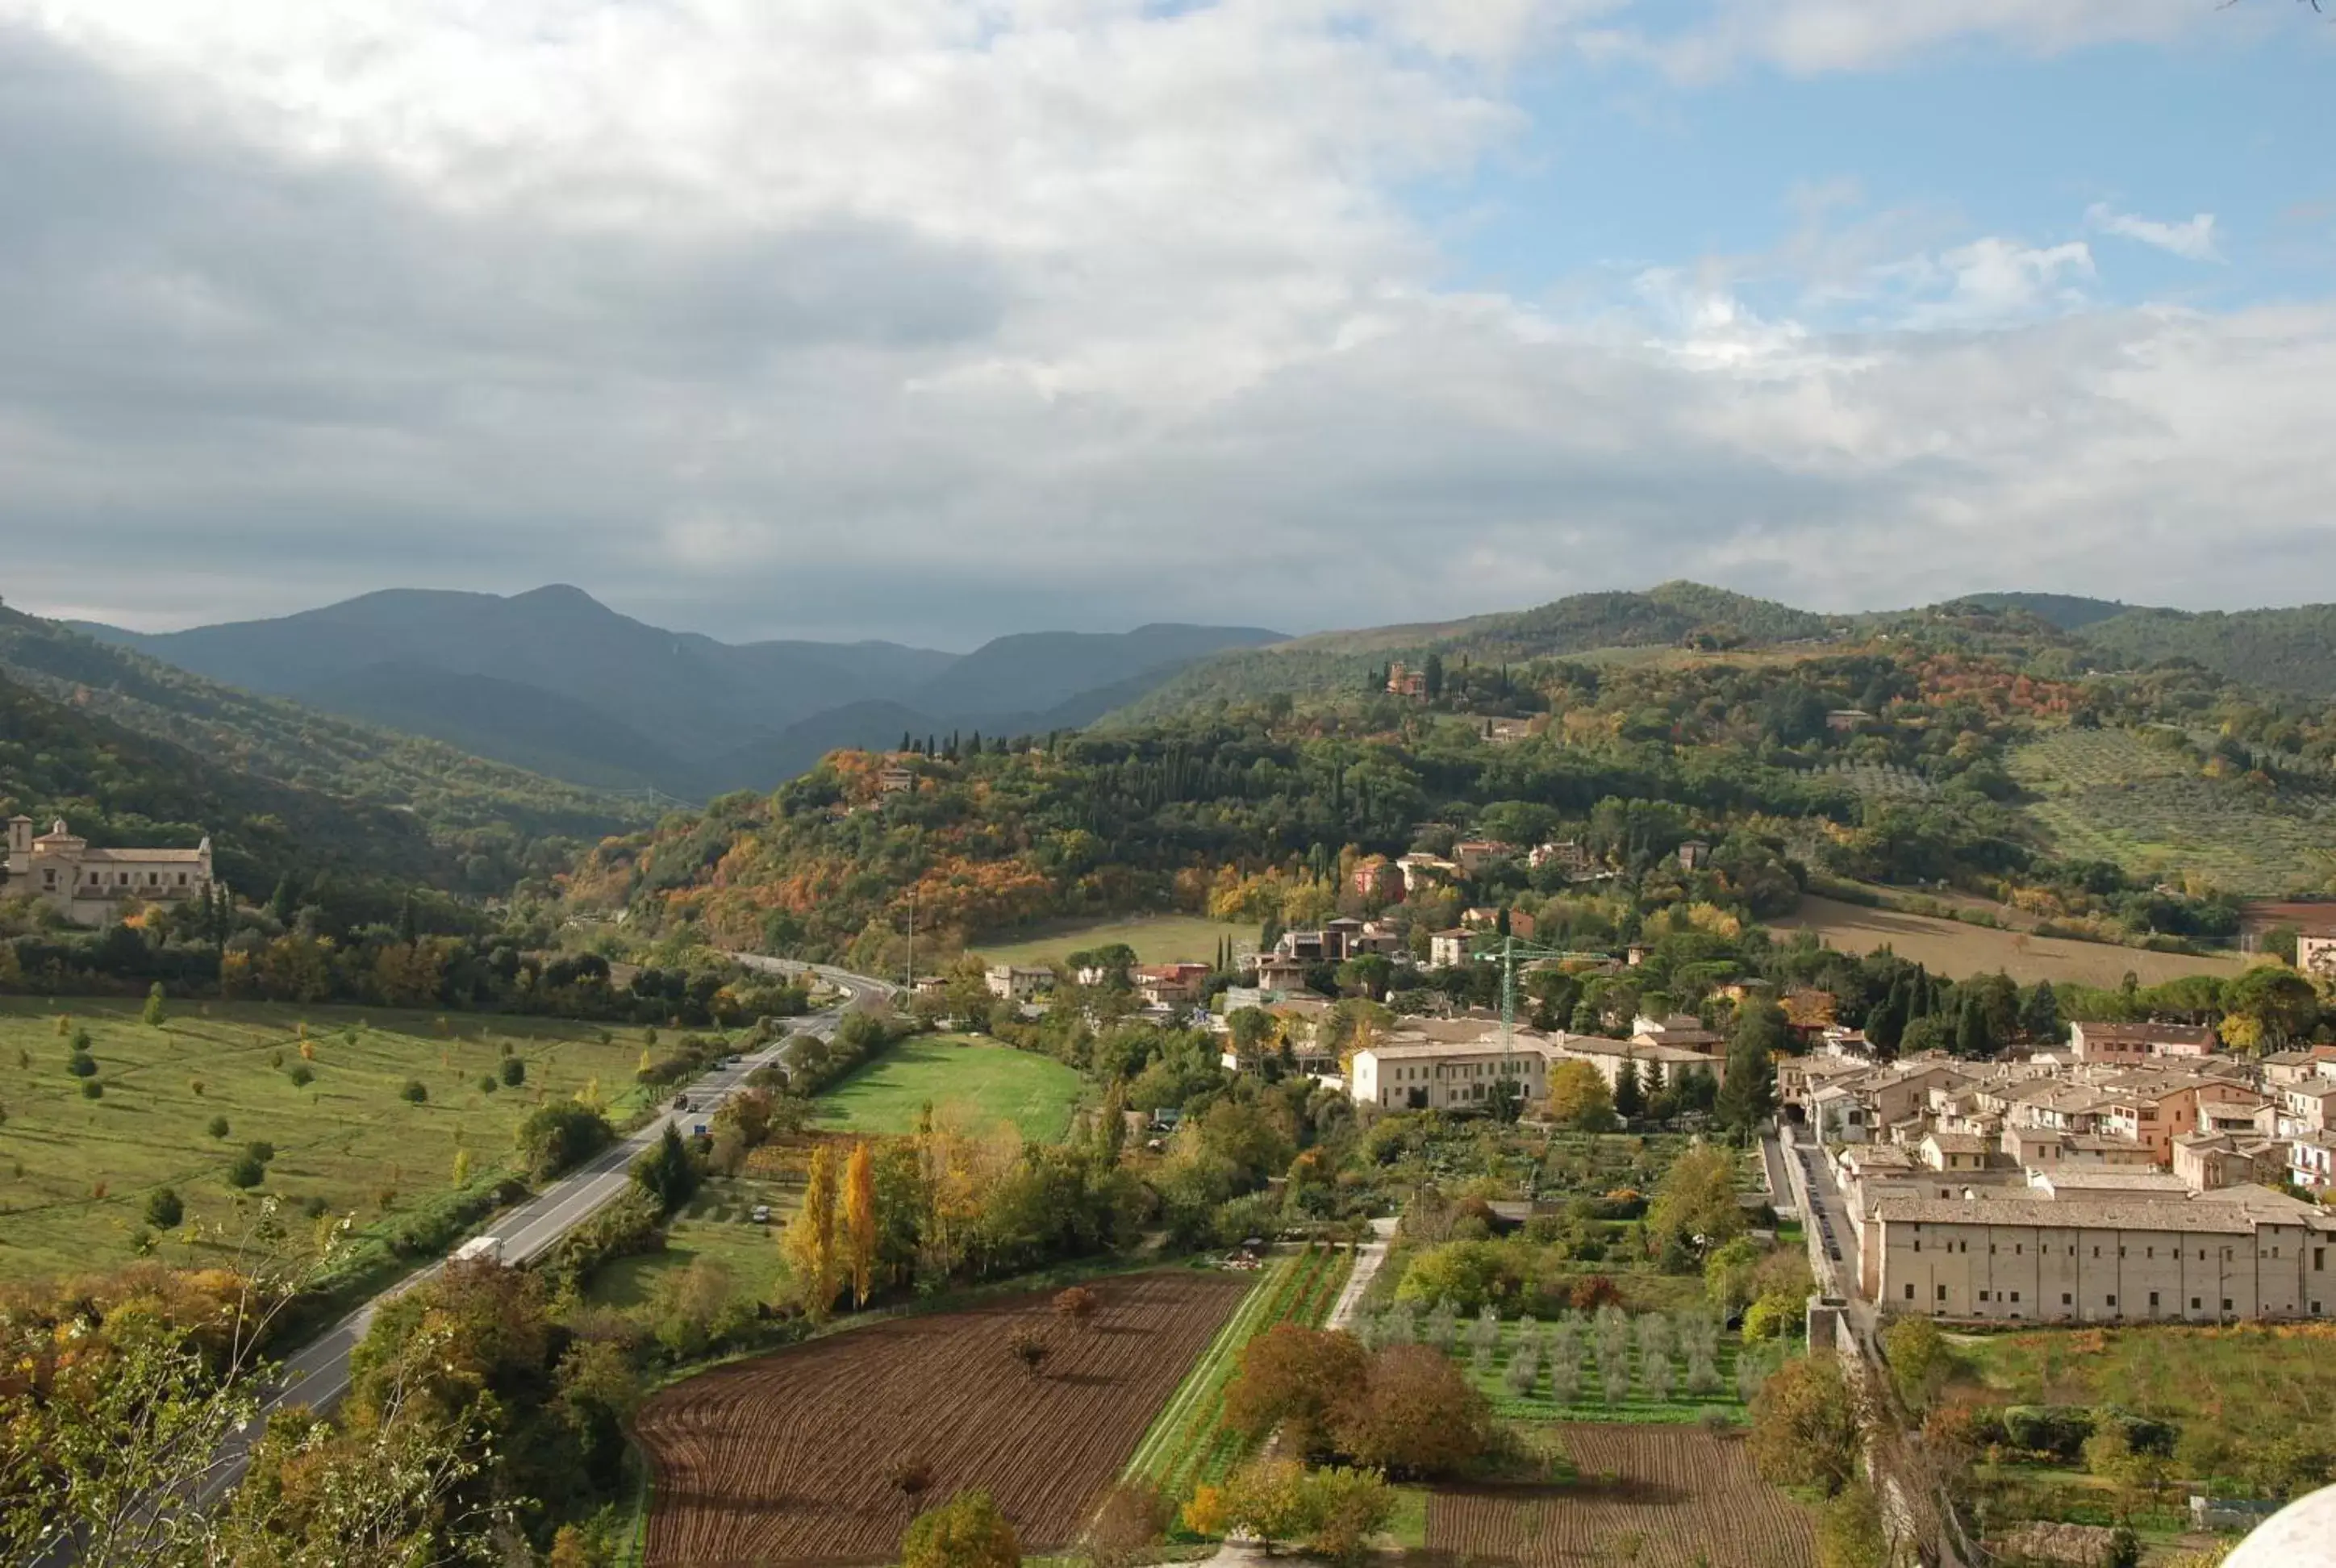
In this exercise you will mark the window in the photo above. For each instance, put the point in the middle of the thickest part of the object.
(1918, 1243)
(2015, 1295)
(2319, 1259)
(2226, 1303)
(1910, 1292)
(2112, 1301)
(2193, 1303)
(2065, 1298)
(1942, 1292)
(2153, 1300)
(1982, 1295)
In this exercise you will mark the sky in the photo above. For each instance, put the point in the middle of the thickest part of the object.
(938, 319)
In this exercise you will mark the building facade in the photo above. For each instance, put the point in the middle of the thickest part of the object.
(96, 887)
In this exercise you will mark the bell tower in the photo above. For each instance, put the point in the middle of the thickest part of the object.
(20, 845)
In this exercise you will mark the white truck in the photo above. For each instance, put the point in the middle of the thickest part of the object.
(480, 1250)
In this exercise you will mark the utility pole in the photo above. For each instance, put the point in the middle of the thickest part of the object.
(913, 942)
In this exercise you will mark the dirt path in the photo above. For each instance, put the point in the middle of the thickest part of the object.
(1367, 1267)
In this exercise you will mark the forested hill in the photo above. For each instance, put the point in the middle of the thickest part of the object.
(1258, 812)
(339, 792)
(1675, 614)
(116, 787)
(2291, 650)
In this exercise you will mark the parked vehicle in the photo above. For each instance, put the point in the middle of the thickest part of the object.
(479, 1248)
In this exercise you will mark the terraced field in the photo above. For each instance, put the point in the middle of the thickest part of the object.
(2110, 794)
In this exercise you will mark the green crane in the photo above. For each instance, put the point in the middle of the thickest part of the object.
(1508, 951)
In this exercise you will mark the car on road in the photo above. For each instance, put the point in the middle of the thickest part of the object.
(681, 1102)
(762, 1214)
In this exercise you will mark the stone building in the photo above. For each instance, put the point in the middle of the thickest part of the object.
(95, 887)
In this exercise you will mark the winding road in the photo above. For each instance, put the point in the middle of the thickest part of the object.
(318, 1375)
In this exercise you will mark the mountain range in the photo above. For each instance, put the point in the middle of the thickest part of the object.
(554, 681)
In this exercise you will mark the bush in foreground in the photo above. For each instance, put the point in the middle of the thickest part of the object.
(965, 1532)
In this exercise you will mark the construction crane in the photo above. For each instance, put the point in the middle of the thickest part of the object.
(1508, 950)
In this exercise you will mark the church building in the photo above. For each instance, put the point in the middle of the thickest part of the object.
(94, 887)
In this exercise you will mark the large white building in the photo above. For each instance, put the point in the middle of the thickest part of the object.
(1454, 1064)
(94, 887)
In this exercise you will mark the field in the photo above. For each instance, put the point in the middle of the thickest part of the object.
(782, 1460)
(75, 1173)
(1156, 939)
(2249, 1383)
(717, 1224)
(1959, 951)
(1661, 1496)
(1637, 1400)
(2110, 794)
(992, 1083)
(1188, 1443)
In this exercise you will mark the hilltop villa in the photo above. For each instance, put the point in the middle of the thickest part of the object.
(90, 887)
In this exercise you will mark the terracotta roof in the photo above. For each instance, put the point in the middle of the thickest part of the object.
(2070, 1214)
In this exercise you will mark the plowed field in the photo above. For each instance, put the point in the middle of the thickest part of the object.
(1660, 1496)
(782, 1461)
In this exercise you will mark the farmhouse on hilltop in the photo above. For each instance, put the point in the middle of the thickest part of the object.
(92, 887)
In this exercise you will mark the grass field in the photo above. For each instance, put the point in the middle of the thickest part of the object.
(719, 1224)
(992, 1083)
(1958, 950)
(75, 1173)
(2110, 794)
(1156, 939)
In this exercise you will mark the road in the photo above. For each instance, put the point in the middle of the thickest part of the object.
(318, 1375)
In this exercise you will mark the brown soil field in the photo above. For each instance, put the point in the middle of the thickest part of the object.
(1660, 1496)
(1958, 951)
(782, 1461)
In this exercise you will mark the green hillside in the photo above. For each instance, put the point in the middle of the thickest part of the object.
(133, 740)
(1674, 614)
(2291, 649)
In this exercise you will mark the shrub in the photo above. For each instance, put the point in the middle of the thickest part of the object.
(2060, 1430)
(1415, 1414)
(413, 1093)
(92, 1089)
(555, 1137)
(79, 1042)
(245, 1172)
(1076, 1304)
(487, 1083)
(965, 1532)
(514, 1071)
(260, 1149)
(163, 1209)
(81, 1065)
(217, 1128)
(302, 1076)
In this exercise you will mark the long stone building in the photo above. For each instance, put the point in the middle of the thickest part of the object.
(93, 886)
(2243, 1252)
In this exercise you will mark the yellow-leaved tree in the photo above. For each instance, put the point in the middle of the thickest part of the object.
(810, 1237)
(860, 1221)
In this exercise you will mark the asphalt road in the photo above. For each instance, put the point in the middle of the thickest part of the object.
(318, 1375)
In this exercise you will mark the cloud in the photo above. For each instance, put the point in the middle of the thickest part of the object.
(935, 321)
(2193, 241)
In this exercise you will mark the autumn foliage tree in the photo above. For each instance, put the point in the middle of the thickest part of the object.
(810, 1237)
(1297, 1379)
(1076, 1305)
(1415, 1414)
(860, 1227)
(1804, 1426)
(965, 1532)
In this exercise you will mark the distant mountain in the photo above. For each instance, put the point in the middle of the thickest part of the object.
(554, 681)
(1673, 614)
(2291, 650)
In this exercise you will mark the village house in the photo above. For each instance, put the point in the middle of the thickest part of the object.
(1847, 720)
(1379, 879)
(1453, 1066)
(1278, 972)
(2153, 1110)
(1694, 855)
(1566, 854)
(1448, 948)
(892, 780)
(1170, 985)
(2311, 1164)
(2139, 1044)
(2307, 1109)
(2204, 1161)
(1404, 681)
(1476, 854)
(2315, 955)
(1422, 871)
(1017, 982)
(96, 887)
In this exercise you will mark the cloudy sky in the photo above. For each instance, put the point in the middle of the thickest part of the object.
(932, 319)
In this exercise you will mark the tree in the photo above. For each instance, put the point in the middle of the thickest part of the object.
(414, 1093)
(1695, 1204)
(1433, 670)
(1297, 1379)
(556, 1136)
(1849, 1530)
(1076, 1304)
(965, 1532)
(2040, 1015)
(1630, 1095)
(1804, 1425)
(514, 1072)
(810, 1237)
(245, 1172)
(1917, 1353)
(1417, 1414)
(666, 1173)
(1749, 1097)
(154, 1016)
(861, 1229)
(163, 1209)
(1127, 1527)
(1578, 1098)
(1028, 1346)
